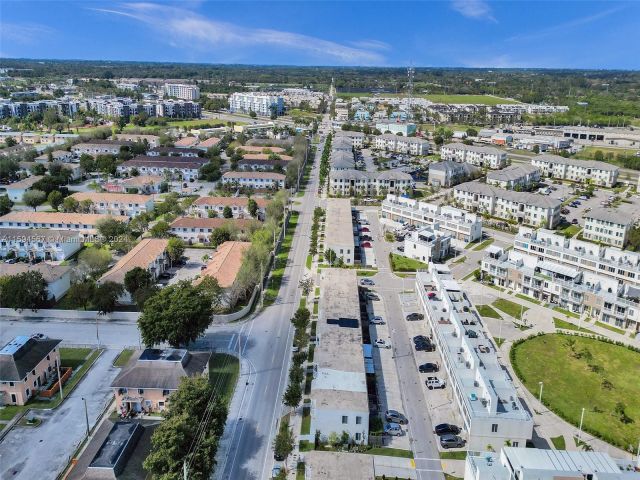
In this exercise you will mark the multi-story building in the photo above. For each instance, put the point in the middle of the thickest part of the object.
(515, 177)
(403, 128)
(339, 229)
(256, 180)
(427, 245)
(522, 207)
(492, 413)
(85, 223)
(123, 204)
(339, 397)
(555, 166)
(100, 147)
(174, 152)
(125, 107)
(606, 225)
(142, 184)
(225, 266)
(538, 464)
(152, 140)
(42, 244)
(180, 90)
(479, 156)
(342, 160)
(16, 190)
(261, 103)
(63, 106)
(239, 206)
(26, 365)
(199, 229)
(401, 144)
(146, 383)
(57, 277)
(184, 168)
(461, 226)
(59, 156)
(356, 138)
(449, 173)
(356, 182)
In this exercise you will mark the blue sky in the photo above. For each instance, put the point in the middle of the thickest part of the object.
(457, 33)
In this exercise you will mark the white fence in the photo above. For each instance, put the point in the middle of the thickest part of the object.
(49, 313)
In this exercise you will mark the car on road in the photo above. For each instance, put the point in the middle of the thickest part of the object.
(393, 429)
(394, 416)
(367, 282)
(377, 320)
(365, 244)
(11, 261)
(428, 368)
(415, 316)
(373, 297)
(434, 382)
(424, 347)
(574, 221)
(381, 343)
(472, 334)
(451, 441)
(446, 428)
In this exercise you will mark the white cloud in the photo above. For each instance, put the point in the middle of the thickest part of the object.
(24, 33)
(497, 61)
(193, 30)
(477, 9)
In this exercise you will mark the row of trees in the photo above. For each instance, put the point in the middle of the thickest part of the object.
(324, 161)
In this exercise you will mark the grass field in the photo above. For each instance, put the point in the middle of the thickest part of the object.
(570, 231)
(305, 428)
(559, 323)
(484, 244)
(390, 452)
(224, 370)
(586, 373)
(123, 357)
(528, 299)
(589, 152)
(559, 443)
(404, 264)
(453, 455)
(510, 308)
(566, 312)
(611, 328)
(487, 311)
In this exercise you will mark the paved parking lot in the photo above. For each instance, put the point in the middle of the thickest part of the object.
(192, 267)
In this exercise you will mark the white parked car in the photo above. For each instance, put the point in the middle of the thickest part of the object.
(380, 343)
(377, 320)
(393, 429)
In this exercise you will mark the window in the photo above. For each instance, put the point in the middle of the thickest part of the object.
(165, 393)
(514, 444)
(140, 391)
(358, 420)
(345, 419)
(358, 436)
(494, 428)
(11, 384)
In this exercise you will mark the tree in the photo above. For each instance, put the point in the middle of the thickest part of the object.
(284, 441)
(94, 261)
(87, 163)
(598, 155)
(536, 149)
(292, 395)
(161, 229)
(81, 293)
(175, 249)
(55, 199)
(33, 198)
(227, 212)
(105, 296)
(220, 235)
(178, 314)
(24, 290)
(111, 229)
(137, 278)
(306, 284)
(301, 318)
(5, 204)
(70, 204)
(472, 132)
(252, 207)
(253, 114)
(330, 256)
(10, 142)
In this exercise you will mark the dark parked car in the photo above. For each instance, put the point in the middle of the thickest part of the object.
(425, 347)
(428, 368)
(446, 428)
(278, 458)
(451, 441)
(395, 416)
(420, 338)
(415, 316)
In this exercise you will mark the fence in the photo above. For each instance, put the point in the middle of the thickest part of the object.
(56, 386)
(50, 313)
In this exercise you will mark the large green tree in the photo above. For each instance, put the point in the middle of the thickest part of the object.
(94, 261)
(33, 198)
(5, 204)
(26, 290)
(175, 249)
(105, 296)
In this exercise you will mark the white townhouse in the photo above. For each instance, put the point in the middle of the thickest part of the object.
(515, 177)
(351, 182)
(356, 138)
(100, 147)
(427, 245)
(479, 156)
(489, 404)
(60, 156)
(124, 204)
(555, 166)
(257, 180)
(16, 190)
(214, 206)
(261, 103)
(199, 229)
(608, 226)
(522, 207)
(449, 173)
(40, 243)
(339, 229)
(342, 160)
(402, 144)
(85, 223)
(58, 277)
(168, 167)
(174, 152)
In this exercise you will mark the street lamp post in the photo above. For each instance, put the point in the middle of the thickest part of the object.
(580, 429)
(86, 415)
(540, 394)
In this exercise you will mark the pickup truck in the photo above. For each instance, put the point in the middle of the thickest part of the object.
(434, 382)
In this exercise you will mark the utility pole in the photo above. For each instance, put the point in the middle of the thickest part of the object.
(86, 415)
(184, 470)
(540, 395)
(580, 429)
(60, 381)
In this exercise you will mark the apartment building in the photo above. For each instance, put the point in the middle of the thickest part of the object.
(58, 156)
(538, 464)
(555, 166)
(608, 226)
(16, 190)
(225, 266)
(123, 204)
(342, 160)
(261, 103)
(339, 229)
(491, 411)
(339, 399)
(57, 277)
(199, 229)
(27, 364)
(125, 107)
(85, 223)
(174, 152)
(463, 227)
(152, 140)
(256, 180)
(449, 173)
(64, 106)
(515, 177)
(142, 184)
(100, 147)
(350, 182)
(563, 285)
(403, 128)
(146, 382)
(522, 207)
(182, 91)
(356, 138)
(43, 244)
(214, 206)
(183, 168)
(479, 156)
(427, 245)
(401, 144)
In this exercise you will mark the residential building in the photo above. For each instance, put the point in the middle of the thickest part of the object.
(59, 156)
(262, 165)
(256, 180)
(515, 177)
(356, 182)
(606, 225)
(100, 147)
(427, 245)
(260, 103)
(357, 138)
(58, 277)
(449, 173)
(26, 365)
(404, 128)
(199, 229)
(502, 139)
(146, 383)
(43, 244)
(339, 400)
(479, 156)
(555, 166)
(85, 223)
(180, 90)
(401, 144)
(339, 229)
(16, 190)
(342, 160)
(149, 254)
(152, 140)
(141, 184)
(491, 411)
(123, 204)
(522, 207)
(202, 206)
(208, 143)
(225, 266)
(542, 464)
(174, 152)
(186, 142)
(463, 227)
(183, 168)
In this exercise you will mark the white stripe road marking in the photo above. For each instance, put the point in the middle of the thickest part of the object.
(233, 337)
(427, 470)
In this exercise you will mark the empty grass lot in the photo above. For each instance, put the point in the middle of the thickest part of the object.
(510, 308)
(583, 372)
(611, 328)
(305, 428)
(487, 311)
(404, 264)
(559, 323)
(224, 370)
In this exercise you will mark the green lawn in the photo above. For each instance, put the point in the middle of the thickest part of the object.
(390, 452)
(224, 370)
(305, 428)
(611, 328)
(404, 264)
(583, 372)
(123, 357)
(300, 471)
(309, 260)
(303, 303)
(271, 292)
(566, 312)
(462, 455)
(510, 308)
(487, 311)
(460, 259)
(484, 244)
(559, 443)
(528, 299)
(570, 231)
(559, 323)
(499, 341)
(315, 307)
(366, 273)
(479, 99)
(471, 275)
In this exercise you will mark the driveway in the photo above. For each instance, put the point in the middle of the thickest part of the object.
(192, 267)
(43, 452)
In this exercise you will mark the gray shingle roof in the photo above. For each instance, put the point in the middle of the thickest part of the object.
(557, 159)
(609, 215)
(513, 172)
(521, 197)
(15, 366)
(475, 148)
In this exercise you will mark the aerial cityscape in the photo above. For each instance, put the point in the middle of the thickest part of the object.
(319, 240)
